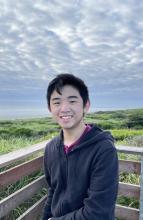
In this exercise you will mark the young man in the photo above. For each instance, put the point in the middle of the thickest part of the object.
(81, 165)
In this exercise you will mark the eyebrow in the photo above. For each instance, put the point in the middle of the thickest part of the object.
(69, 97)
(72, 97)
(54, 99)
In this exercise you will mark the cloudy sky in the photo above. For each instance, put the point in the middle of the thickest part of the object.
(97, 40)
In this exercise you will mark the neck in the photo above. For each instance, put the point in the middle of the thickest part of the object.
(71, 135)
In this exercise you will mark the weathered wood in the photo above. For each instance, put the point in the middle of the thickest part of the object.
(8, 177)
(15, 199)
(34, 211)
(141, 191)
(126, 213)
(129, 166)
(130, 150)
(11, 157)
(12, 201)
(129, 190)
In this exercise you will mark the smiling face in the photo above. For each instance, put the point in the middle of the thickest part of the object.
(67, 108)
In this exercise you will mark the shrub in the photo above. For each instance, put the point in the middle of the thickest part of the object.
(23, 132)
(135, 141)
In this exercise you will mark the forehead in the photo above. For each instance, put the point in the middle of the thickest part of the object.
(66, 91)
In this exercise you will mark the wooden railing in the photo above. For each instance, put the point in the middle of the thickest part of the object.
(16, 172)
(130, 190)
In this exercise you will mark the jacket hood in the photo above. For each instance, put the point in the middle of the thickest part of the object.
(95, 135)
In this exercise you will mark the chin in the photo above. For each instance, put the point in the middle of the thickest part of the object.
(66, 126)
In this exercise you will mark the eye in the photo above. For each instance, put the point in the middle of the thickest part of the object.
(56, 103)
(72, 101)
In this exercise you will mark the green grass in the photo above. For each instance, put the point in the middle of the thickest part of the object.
(125, 134)
(125, 126)
(18, 185)
(22, 133)
(14, 143)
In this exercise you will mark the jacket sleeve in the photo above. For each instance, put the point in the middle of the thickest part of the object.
(102, 191)
(47, 207)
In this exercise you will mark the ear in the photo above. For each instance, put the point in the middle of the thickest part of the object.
(86, 107)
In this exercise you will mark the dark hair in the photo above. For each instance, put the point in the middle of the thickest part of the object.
(67, 79)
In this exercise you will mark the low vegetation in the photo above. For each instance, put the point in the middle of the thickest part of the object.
(126, 126)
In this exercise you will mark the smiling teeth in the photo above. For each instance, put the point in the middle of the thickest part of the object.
(65, 117)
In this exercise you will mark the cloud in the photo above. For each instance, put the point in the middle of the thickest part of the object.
(99, 41)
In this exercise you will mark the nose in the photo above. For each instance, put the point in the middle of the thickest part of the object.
(64, 107)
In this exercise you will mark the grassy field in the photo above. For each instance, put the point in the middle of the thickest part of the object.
(126, 127)
(20, 133)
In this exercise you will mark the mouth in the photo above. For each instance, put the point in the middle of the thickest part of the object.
(66, 116)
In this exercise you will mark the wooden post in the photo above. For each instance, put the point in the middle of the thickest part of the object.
(141, 190)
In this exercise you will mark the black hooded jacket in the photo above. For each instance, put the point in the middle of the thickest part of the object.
(83, 184)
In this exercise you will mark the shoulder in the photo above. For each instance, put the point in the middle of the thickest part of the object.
(103, 140)
(52, 144)
(107, 152)
(104, 144)
(106, 156)
(107, 145)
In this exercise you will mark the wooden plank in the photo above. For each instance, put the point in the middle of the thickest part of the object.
(34, 211)
(141, 191)
(7, 159)
(130, 150)
(129, 166)
(8, 177)
(11, 157)
(126, 213)
(129, 190)
(15, 199)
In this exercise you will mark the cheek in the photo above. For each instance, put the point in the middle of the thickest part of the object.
(79, 110)
(54, 112)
